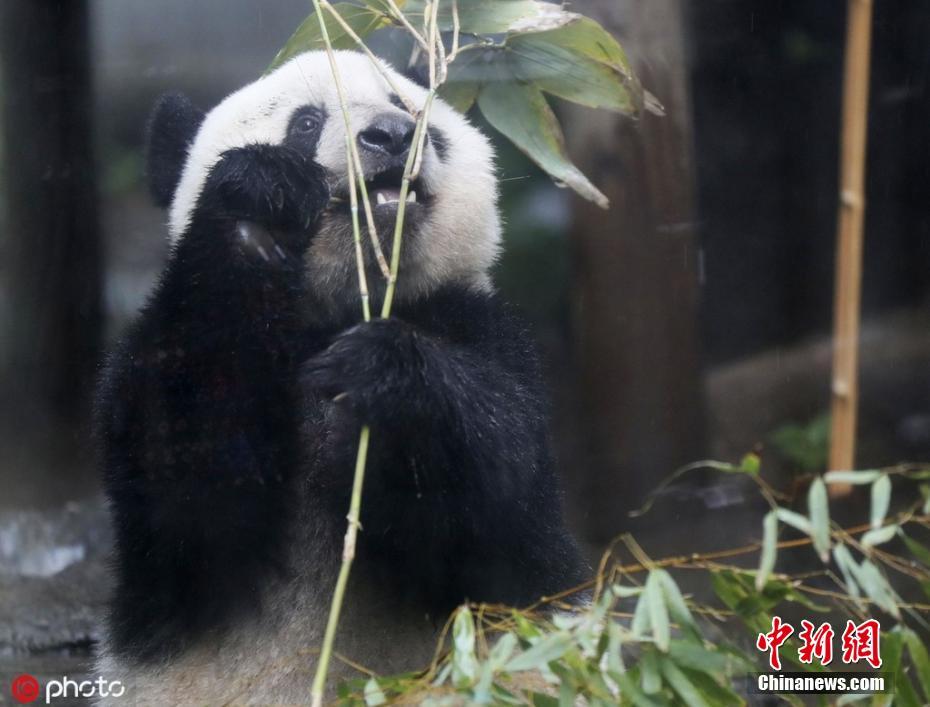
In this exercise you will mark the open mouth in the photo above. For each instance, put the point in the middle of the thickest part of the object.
(384, 191)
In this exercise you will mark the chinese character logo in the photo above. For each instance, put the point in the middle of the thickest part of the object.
(773, 640)
(861, 643)
(816, 644)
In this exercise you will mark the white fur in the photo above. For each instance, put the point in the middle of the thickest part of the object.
(460, 240)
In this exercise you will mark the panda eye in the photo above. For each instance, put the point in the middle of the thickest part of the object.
(307, 123)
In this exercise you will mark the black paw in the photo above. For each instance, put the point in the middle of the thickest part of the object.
(279, 188)
(371, 367)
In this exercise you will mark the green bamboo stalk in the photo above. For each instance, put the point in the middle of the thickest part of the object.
(355, 169)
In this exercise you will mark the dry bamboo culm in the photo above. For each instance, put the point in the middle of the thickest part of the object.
(844, 386)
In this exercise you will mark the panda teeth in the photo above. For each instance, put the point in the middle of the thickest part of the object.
(380, 196)
(412, 197)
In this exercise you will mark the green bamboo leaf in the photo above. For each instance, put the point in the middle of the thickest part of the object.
(680, 683)
(307, 36)
(921, 553)
(625, 592)
(541, 699)
(691, 654)
(520, 112)
(373, 694)
(649, 666)
(460, 95)
(848, 567)
(658, 612)
(855, 478)
(675, 602)
(877, 589)
(853, 699)
(630, 690)
(769, 542)
(549, 648)
(502, 651)
(795, 520)
(925, 492)
(488, 17)
(879, 536)
(820, 518)
(640, 624)
(580, 62)
(717, 694)
(464, 661)
(918, 652)
(615, 664)
(881, 498)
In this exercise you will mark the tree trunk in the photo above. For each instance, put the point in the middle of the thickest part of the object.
(51, 245)
(636, 265)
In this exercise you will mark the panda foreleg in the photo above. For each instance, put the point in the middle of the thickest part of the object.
(197, 413)
(461, 501)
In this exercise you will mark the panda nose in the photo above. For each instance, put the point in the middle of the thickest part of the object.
(389, 134)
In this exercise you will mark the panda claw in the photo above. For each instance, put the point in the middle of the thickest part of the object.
(281, 253)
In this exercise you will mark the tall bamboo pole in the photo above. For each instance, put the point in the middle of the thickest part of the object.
(844, 388)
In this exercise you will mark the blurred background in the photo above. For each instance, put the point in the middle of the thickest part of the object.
(690, 321)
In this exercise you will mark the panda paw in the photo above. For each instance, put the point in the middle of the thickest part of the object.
(273, 194)
(373, 367)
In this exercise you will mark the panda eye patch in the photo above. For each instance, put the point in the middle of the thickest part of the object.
(306, 121)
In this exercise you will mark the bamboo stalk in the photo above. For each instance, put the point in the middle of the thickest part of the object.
(844, 387)
(412, 164)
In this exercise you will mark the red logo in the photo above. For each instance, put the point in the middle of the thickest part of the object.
(25, 689)
(773, 640)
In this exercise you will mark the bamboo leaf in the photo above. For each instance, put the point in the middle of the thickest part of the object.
(769, 542)
(640, 624)
(308, 36)
(921, 553)
(460, 95)
(691, 654)
(795, 520)
(464, 661)
(488, 17)
(675, 601)
(876, 587)
(879, 536)
(848, 567)
(580, 62)
(520, 112)
(918, 652)
(855, 478)
(373, 694)
(682, 686)
(820, 518)
(547, 649)
(649, 666)
(881, 498)
(658, 612)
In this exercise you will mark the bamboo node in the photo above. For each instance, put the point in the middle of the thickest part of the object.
(850, 199)
(840, 388)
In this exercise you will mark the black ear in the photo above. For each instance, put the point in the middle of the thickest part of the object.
(171, 129)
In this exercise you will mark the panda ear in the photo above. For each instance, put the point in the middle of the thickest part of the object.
(170, 132)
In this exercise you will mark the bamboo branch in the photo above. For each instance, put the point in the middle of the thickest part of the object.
(413, 162)
(844, 387)
(374, 60)
(360, 173)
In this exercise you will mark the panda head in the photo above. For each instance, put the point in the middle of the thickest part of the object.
(452, 229)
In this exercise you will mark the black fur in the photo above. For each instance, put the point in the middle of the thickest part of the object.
(207, 410)
(170, 131)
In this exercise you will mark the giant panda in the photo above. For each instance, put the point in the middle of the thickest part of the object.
(229, 415)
